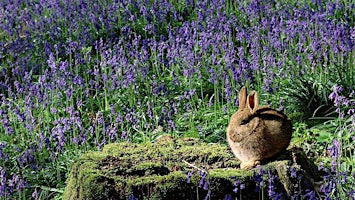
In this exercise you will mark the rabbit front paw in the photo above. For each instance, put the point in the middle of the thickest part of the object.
(249, 165)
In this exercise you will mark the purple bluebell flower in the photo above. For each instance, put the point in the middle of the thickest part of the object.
(189, 176)
(310, 194)
(206, 185)
(228, 197)
(210, 102)
(343, 176)
(258, 178)
(281, 105)
(236, 185)
(203, 179)
(272, 187)
(171, 124)
(213, 77)
(54, 110)
(3, 180)
(228, 89)
(75, 140)
(132, 197)
(3, 156)
(34, 194)
(208, 195)
(351, 194)
(294, 172)
(334, 151)
(328, 187)
(201, 131)
(124, 135)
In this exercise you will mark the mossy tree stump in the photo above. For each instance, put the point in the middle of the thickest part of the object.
(163, 170)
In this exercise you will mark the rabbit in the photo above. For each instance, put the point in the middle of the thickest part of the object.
(255, 133)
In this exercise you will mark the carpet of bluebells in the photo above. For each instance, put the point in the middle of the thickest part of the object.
(76, 75)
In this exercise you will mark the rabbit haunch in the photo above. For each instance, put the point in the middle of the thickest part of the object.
(255, 133)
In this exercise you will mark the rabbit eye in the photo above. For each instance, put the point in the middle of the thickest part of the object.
(244, 122)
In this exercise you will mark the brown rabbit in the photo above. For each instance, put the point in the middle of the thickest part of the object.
(257, 133)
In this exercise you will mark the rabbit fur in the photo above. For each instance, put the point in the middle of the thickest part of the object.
(256, 133)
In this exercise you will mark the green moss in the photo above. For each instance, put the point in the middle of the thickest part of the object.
(228, 173)
(159, 171)
(94, 156)
(125, 168)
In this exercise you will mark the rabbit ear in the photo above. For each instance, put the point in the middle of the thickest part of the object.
(253, 101)
(242, 97)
